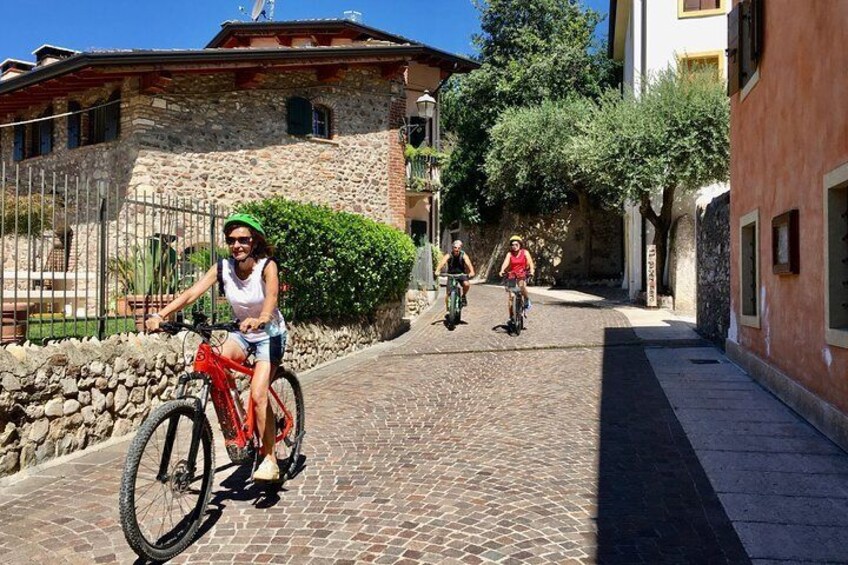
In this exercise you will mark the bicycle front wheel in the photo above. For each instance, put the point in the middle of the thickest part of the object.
(289, 415)
(162, 502)
(517, 314)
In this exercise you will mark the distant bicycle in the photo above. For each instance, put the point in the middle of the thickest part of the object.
(170, 464)
(454, 299)
(517, 312)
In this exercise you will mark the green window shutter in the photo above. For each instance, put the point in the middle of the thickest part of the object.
(299, 116)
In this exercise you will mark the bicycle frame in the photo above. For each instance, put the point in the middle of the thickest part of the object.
(238, 428)
(225, 396)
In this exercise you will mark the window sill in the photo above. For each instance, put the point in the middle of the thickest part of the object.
(701, 14)
(752, 82)
(749, 321)
(837, 338)
(322, 140)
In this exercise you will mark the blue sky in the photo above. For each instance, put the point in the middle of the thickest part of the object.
(187, 24)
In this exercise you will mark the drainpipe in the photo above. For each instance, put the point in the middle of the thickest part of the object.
(644, 45)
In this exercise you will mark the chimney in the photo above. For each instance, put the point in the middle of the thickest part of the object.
(353, 16)
(48, 54)
(11, 68)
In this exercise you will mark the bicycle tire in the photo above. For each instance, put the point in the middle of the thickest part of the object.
(452, 318)
(286, 379)
(136, 538)
(517, 312)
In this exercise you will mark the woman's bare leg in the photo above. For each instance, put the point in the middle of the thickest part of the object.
(262, 406)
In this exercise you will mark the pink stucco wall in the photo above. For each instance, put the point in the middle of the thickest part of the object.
(789, 132)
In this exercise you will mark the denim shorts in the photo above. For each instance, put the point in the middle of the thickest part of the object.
(270, 349)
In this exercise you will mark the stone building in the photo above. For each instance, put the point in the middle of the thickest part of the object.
(316, 111)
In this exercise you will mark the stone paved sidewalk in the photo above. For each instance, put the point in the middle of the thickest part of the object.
(469, 446)
(782, 483)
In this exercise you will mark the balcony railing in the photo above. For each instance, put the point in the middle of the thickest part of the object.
(423, 173)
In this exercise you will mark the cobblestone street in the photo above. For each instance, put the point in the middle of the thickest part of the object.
(469, 446)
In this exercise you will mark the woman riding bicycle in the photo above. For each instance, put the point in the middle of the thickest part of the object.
(518, 264)
(250, 281)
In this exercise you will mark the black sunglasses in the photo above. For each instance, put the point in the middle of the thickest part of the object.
(242, 240)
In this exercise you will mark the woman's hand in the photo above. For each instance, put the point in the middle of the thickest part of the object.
(251, 325)
(153, 322)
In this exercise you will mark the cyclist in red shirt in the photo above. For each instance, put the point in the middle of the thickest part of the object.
(518, 264)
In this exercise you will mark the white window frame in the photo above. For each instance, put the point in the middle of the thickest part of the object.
(751, 218)
(681, 13)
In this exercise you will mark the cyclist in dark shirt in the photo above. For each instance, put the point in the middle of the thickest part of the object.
(458, 263)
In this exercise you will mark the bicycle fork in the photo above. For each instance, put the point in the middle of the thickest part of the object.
(196, 428)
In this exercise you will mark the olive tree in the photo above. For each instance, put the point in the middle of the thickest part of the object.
(670, 139)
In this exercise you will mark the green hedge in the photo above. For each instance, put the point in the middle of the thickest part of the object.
(337, 264)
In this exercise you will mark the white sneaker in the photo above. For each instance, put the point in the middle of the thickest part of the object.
(267, 471)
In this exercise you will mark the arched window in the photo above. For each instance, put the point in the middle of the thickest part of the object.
(321, 122)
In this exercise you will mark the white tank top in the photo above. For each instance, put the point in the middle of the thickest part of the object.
(247, 296)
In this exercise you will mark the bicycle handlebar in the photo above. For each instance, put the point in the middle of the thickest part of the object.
(199, 328)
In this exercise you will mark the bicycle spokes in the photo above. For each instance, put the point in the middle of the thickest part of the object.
(167, 489)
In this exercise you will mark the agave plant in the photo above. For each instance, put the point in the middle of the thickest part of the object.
(149, 271)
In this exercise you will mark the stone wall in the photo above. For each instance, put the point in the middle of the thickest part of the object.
(61, 398)
(713, 249)
(557, 243)
(682, 264)
(206, 140)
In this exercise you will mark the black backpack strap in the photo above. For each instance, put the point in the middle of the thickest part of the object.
(270, 260)
(221, 276)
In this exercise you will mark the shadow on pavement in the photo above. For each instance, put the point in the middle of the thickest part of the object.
(655, 503)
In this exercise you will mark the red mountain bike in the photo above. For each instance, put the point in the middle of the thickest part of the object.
(170, 465)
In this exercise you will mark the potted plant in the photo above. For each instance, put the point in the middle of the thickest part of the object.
(147, 278)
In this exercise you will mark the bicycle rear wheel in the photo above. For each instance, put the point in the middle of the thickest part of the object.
(289, 415)
(161, 512)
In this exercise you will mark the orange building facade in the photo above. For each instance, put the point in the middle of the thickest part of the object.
(789, 203)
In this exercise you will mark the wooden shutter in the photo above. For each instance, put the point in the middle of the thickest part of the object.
(19, 148)
(299, 116)
(757, 27)
(691, 5)
(747, 64)
(733, 51)
(74, 126)
(45, 134)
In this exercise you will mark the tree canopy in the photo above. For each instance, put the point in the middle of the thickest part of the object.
(530, 51)
(674, 135)
(533, 162)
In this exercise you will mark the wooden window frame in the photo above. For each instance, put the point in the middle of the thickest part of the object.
(718, 54)
(836, 181)
(682, 14)
(745, 222)
(787, 221)
(328, 112)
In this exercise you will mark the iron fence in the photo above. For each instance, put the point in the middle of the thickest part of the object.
(79, 258)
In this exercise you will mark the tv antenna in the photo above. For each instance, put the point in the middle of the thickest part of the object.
(260, 8)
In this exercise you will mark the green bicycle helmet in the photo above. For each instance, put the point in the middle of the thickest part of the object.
(244, 220)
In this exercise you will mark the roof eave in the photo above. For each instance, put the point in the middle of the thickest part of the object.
(86, 60)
